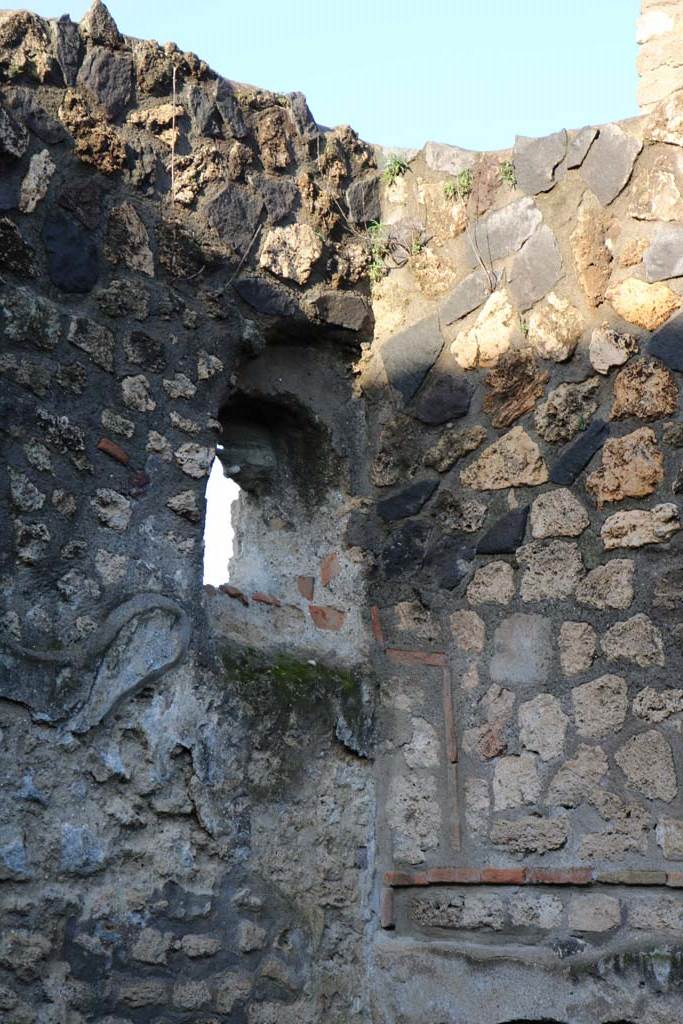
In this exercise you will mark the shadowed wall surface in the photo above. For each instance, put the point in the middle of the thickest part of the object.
(421, 758)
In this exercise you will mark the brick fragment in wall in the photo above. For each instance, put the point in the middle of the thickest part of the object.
(260, 598)
(329, 568)
(326, 617)
(114, 450)
(403, 657)
(306, 586)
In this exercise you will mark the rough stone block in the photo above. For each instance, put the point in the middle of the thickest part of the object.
(594, 912)
(522, 650)
(409, 356)
(609, 162)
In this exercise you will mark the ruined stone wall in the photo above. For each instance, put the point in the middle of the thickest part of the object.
(421, 757)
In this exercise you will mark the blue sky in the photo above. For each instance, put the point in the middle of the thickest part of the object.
(469, 72)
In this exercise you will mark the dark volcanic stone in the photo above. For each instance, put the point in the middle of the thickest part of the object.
(15, 254)
(579, 146)
(84, 199)
(362, 199)
(609, 162)
(13, 137)
(403, 552)
(303, 118)
(537, 268)
(407, 501)
(109, 77)
(145, 351)
(535, 161)
(230, 110)
(342, 309)
(409, 356)
(578, 454)
(265, 297)
(448, 561)
(234, 214)
(466, 296)
(364, 530)
(68, 47)
(72, 258)
(30, 112)
(444, 396)
(667, 343)
(201, 107)
(280, 195)
(506, 534)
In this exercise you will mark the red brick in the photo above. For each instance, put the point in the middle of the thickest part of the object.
(559, 876)
(306, 585)
(262, 598)
(329, 568)
(114, 450)
(453, 876)
(326, 618)
(386, 909)
(376, 623)
(233, 592)
(674, 879)
(403, 878)
(503, 876)
(401, 657)
(449, 718)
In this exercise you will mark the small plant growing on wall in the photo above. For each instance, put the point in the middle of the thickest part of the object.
(395, 168)
(507, 173)
(459, 189)
(378, 245)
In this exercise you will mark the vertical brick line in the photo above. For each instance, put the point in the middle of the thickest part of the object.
(452, 757)
(449, 717)
(376, 622)
(452, 770)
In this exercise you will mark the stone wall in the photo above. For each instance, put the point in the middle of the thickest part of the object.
(660, 64)
(421, 757)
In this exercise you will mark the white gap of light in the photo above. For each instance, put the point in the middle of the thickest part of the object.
(218, 530)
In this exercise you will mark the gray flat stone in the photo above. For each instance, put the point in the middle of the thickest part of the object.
(471, 293)
(445, 396)
(667, 343)
(13, 861)
(109, 77)
(537, 268)
(406, 502)
(522, 650)
(343, 309)
(451, 159)
(535, 161)
(140, 653)
(503, 232)
(362, 199)
(664, 258)
(81, 853)
(577, 150)
(409, 356)
(609, 163)
(234, 213)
